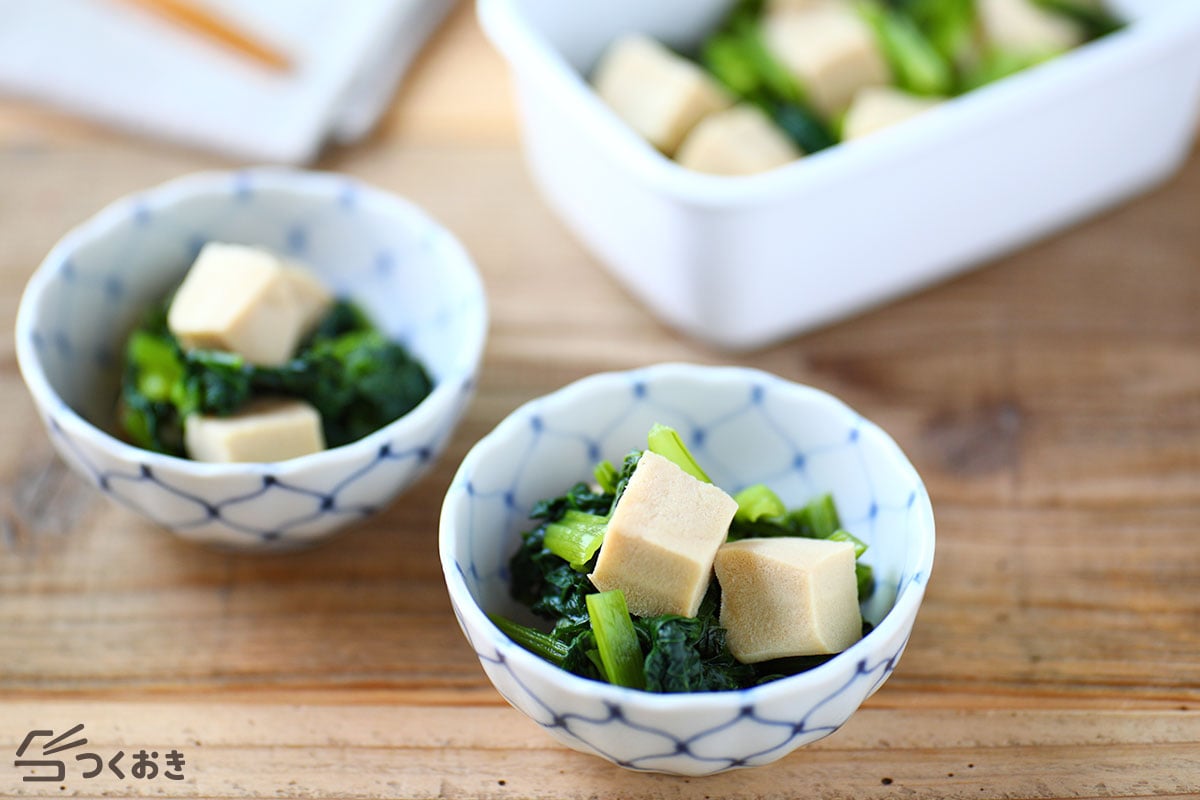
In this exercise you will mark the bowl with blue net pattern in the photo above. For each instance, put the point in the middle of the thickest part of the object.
(745, 427)
(411, 277)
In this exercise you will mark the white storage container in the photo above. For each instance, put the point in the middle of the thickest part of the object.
(740, 262)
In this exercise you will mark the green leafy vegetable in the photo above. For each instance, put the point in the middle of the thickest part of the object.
(606, 476)
(758, 501)
(738, 58)
(356, 378)
(533, 640)
(575, 537)
(1095, 20)
(358, 381)
(545, 582)
(616, 639)
(866, 580)
(666, 442)
(996, 64)
(948, 25)
(841, 535)
(818, 518)
(667, 653)
(690, 654)
(918, 66)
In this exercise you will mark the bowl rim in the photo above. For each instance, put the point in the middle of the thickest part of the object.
(903, 610)
(535, 60)
(315, 184)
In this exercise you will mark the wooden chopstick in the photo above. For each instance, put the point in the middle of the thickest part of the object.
(204, 22)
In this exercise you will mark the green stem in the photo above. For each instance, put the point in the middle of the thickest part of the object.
(536, 642)
(866, 581)
(818, 519)
(758, 501)
(607, 476)
(576, 537)
(616, 639)
(666, 442)
(843, 535)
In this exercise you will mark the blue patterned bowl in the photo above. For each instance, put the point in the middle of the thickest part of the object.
(744, 427)
(412, 277)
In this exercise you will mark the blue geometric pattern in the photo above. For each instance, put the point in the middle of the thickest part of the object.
(744, 427)
(408, 273)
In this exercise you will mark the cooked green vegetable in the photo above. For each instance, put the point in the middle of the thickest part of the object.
(667, 653)
(758, 501)
(667, 443)
(546, 583)
(355, 377)
(616, 639)
(1094, 20)
(533, 640)
(813, 68)
(689, 654)
(841, 535)
(737, 57)
(919, 67)
(606, 476)
(948, 25)
(996, 64)
(819, 517)
(358, 380)
(576, 537)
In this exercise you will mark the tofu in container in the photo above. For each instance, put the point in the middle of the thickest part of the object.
(741, 262)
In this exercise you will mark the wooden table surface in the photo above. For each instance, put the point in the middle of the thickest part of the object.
(1051, 400)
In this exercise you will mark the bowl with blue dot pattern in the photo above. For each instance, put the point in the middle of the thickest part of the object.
(410, 275)
(744, 427)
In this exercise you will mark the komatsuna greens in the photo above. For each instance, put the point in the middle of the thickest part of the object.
(356, 378)
(595, 637)
(932, 48)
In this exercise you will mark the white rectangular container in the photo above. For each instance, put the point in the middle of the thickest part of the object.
(741, 262)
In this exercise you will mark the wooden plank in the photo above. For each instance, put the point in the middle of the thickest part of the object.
(256, 751)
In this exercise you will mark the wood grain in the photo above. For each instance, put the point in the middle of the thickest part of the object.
(239, 751)
(1051, 400)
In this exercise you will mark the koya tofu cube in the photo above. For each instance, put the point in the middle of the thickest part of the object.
(829, 49)
(788, 596)
(264, 430)
(661, 539)
(661, 95)
(1023, 26)
(247, 301)
(739, 141)
(878, 107)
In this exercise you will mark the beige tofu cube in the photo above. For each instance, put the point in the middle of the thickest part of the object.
(739, 141)
(661, 539)
(660, 94)
(247, 301)
(877, 107)
(830, 50)
(788, 596)
(1023, 26)
(265, 430)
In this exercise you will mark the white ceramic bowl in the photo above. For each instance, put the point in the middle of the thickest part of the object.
(410, 275)
(744, 427)
(740, 262)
